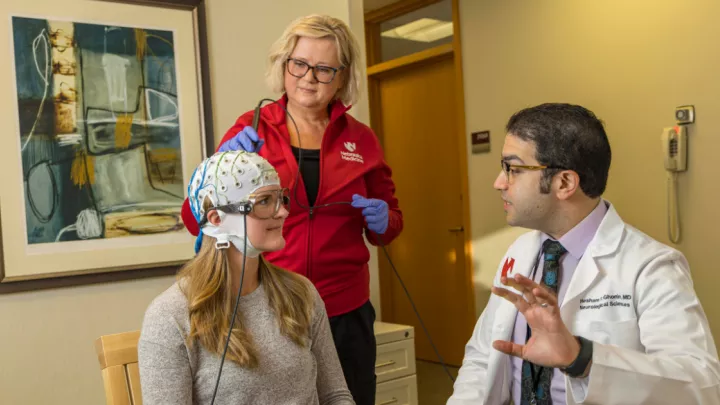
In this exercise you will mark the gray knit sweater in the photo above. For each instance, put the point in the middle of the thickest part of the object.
(173, 373)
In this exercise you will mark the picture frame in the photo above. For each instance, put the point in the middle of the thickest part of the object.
(97, 167)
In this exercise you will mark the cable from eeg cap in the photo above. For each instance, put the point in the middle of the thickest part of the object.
(256, 119)
(382, 245)
(412, 304)
(255, 123)
(234, 315)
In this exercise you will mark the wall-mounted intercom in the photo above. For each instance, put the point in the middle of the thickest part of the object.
(674, 143)
(675, 153)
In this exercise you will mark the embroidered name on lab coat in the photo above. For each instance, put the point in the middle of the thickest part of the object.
(607, 300)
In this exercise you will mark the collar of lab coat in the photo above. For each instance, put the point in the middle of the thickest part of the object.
(609, 234)
(605, 242)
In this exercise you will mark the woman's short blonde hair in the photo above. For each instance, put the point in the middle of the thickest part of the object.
(318, 26)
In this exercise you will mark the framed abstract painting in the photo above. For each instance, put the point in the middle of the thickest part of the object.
(108, 114)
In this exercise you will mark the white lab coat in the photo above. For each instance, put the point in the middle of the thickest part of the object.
(633, 297)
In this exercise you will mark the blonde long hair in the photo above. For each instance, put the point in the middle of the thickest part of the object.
(206, 284)
(318, 26)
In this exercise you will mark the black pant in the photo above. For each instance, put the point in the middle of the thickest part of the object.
(354, 337)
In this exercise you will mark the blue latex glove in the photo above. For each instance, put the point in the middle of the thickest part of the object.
(375, 212)
(243, 141)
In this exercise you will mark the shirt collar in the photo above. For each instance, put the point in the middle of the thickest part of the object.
(579, 237)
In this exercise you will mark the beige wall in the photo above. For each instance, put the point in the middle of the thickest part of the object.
(46, 337)
(631, 62)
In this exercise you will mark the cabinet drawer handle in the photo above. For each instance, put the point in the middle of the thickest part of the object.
(387, 363)
(388, 402)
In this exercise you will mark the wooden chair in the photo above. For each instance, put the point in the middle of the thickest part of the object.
(118, 359)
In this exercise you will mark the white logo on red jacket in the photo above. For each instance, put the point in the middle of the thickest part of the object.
(351, 156)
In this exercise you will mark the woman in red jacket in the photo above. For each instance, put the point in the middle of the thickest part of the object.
(343, 189)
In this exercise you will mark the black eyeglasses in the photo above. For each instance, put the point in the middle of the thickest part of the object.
(323, 74)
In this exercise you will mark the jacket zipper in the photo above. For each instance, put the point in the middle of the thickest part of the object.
(309, 248)
(317, 202)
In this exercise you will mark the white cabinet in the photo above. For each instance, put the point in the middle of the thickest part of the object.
(395, 365)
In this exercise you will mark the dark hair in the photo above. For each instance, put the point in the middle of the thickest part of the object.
(567, 136)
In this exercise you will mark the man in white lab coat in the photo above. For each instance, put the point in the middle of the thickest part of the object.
(585, 308)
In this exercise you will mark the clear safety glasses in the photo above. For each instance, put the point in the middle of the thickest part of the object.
(264, 205)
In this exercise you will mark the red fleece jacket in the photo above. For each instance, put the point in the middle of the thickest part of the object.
(327, 245)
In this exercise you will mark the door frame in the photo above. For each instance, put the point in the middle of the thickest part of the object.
(375, 71)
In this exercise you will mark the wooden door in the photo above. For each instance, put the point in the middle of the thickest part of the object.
(417, 122)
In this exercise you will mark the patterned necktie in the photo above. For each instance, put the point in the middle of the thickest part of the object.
(536, 380)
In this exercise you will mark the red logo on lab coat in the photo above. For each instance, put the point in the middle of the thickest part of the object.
(508, 266)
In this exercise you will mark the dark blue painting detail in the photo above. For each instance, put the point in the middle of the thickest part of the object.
(99, 130)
